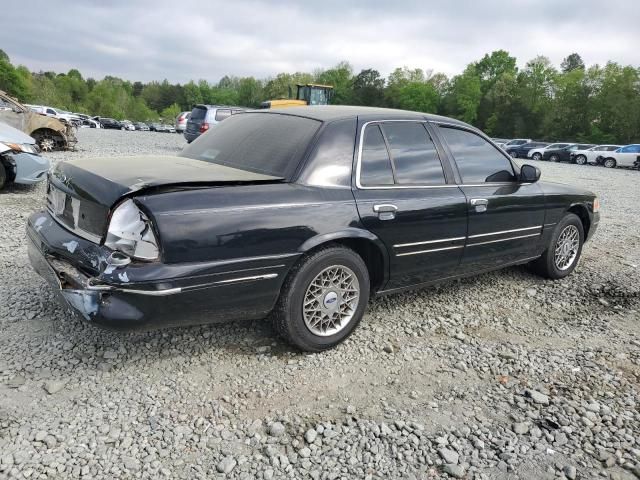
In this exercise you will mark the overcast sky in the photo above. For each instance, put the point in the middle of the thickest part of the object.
(182, 40)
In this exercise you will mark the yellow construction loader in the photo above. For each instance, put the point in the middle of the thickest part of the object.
(307, 94)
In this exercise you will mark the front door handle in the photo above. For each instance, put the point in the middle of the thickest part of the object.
(480, 204)
(385, 211)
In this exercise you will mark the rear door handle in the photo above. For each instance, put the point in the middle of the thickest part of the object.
(480, 204)
(385, 211)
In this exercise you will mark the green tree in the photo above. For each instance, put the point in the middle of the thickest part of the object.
(368, 88)
(572, 62)
(340, 78)
(463, 98)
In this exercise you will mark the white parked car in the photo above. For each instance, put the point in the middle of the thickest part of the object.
(627, 156)
(128, 125)
(62, 115)
(589, 155)
(536, 153)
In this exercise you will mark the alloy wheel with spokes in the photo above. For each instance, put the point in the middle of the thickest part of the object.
(567, 246)
(331, 300)
(581, 160)
(537, 156)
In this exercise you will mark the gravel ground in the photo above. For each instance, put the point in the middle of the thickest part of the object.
(505, 375)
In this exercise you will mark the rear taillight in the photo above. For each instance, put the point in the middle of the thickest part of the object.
(204, 127)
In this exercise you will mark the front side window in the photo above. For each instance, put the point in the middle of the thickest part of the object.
(413, 154)
(478, 161)
(375, 168)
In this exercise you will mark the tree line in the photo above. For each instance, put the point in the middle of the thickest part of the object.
(599, 104)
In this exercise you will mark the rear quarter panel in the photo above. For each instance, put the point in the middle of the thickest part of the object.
(230, 222)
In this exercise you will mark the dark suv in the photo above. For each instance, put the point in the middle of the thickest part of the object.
(205, 116)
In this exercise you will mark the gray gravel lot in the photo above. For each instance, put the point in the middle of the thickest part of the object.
(505, 375)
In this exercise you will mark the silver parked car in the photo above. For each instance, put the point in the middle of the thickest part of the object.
(20, 160)
(181, 121)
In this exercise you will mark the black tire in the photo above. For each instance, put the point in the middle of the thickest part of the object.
(581, 160)
(513, 154)
(287, 316)
(554, 158)
(3, 176)
(537, 156)
(609, 162)
(546, 265)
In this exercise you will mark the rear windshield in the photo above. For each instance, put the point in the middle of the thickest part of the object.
(267, 143)
(198, 113)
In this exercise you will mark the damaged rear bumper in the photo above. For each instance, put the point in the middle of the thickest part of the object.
(148, 295)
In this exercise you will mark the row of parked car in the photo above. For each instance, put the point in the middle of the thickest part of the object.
(610, 156)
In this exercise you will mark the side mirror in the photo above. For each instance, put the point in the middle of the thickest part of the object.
(529, 174)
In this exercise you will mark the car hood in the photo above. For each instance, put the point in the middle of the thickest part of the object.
(105, 180)
(13, 135)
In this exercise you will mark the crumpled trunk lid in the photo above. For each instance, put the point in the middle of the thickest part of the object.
(81, 193)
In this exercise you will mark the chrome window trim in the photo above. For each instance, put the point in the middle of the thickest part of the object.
(503, 239)
(537, 227)
(429, 251)
(454, 239)
(359, 185)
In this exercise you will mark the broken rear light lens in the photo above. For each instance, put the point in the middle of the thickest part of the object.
(130, 232)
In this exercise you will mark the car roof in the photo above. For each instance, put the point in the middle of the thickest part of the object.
(327, 113)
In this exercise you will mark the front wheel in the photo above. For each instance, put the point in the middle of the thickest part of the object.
(323, 299)
(581, 160)
(513, 154)
(564, 250)
(609, 162)
(536, 156)
(554, 158)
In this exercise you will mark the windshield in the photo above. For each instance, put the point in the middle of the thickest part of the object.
(266, 143)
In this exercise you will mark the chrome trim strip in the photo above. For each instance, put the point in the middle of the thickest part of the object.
(245, 279)
(429, 251)
(538, 227)
(455, 239)
(150, 293)
(503, 239)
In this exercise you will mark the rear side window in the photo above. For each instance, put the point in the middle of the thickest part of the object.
(222, 113)
(478, 161)
(198, 113)
(267, 143)
(375, 168)
(413, 154)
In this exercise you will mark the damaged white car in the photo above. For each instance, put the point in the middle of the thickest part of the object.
(20, 159)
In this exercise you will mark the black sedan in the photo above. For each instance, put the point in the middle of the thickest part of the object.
(111, 123)
(564, 154)
(299, 215)
(521, 151)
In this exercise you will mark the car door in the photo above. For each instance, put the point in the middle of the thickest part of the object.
(506, 217)
(406, 195)
(627, 156)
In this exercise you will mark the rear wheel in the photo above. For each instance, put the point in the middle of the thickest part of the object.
(609, 162)
(581, 160)
(564, 250)
(323, 299)
(536, 156)
(513, 153)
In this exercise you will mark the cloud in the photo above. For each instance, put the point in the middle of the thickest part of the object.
(152, 40)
